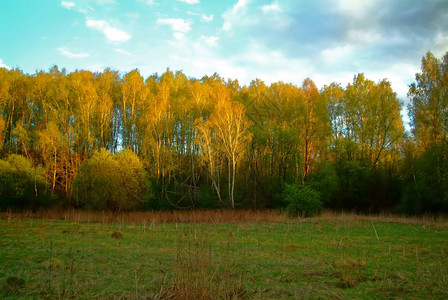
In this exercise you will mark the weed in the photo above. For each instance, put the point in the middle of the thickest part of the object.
(14, 284)
(350, 272)
(200, 275)
(117, 235)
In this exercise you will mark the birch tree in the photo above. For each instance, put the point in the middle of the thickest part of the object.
(229, 134)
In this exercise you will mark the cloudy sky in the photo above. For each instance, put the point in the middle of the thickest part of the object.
(273, 40)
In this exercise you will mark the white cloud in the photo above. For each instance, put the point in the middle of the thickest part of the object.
(189, 1)
(178, 25)
(355, 8)
(210, 40)
(240, 4)
(227, 25)
(254, 61)
(65, 52)
(206, 18)
(271, 65)
(271, 7)
(230, 16)
(440, 44)
(178, 35)
(193, 13)
(208, 64)
(357, 36)
(68, 5)
(337, 54)
(2, 65)
(112, 34)
(400, 75)
(122, 51)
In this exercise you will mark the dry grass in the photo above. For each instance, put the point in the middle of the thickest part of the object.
(218, 217)
(200, 273)
(427, 219)
(154, 217)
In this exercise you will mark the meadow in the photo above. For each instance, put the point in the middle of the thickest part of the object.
(221, 255)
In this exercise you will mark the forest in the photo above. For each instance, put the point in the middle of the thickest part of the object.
(120, 142)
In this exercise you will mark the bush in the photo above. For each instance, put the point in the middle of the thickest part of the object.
(353, 186)
(22, 185)
(301, 201)
(109, 181)
(325, 180)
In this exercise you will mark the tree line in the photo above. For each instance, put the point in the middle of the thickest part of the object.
(122, 142)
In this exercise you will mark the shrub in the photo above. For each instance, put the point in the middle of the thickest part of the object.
(325, 180)
(109, 181)
(301, 201)
(21, 184)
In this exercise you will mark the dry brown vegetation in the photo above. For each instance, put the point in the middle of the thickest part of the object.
(440, 220)
(200, 274)
(219, 217)
(149, 217)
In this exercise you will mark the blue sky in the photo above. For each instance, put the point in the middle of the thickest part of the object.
(273, 40)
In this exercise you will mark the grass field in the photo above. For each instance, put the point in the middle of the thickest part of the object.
(263, 256)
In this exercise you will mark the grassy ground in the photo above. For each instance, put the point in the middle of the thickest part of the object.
(333, 256)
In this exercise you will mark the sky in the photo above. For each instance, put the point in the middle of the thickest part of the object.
(272, 40)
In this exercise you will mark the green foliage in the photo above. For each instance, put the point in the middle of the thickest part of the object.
(109, 181)
(207, 197)
(302, 201)
(212, 143)
(352, 192)
(425, 166)
(324, 179)
(426, 189)
(156, 199)
(21, 184)
(428, 109)
(134, 182)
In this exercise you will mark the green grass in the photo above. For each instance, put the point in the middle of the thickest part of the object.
(315, 258)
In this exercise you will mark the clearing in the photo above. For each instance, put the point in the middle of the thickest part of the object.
(332, 256)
